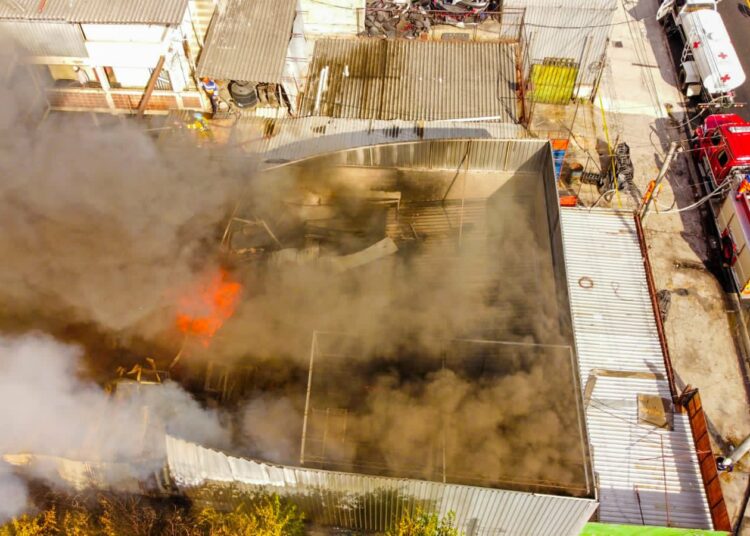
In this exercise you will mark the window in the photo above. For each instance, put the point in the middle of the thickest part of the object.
(722, 158)
(111, 78)
(65, 76)
(716, 137)
(163, 82)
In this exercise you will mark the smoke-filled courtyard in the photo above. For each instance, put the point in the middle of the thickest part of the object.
(152, 288)
(423, 299)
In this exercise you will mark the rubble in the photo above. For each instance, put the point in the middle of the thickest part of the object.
(392, 18)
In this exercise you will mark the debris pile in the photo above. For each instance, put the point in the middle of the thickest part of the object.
(417, 22)
(411, 18)
(391, 19)
(623, 167)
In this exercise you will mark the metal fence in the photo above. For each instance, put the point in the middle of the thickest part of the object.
(369, 503)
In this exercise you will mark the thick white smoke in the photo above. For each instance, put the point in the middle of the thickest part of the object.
(272, 427)
(100, 224)
(47, 410)
(13, 494)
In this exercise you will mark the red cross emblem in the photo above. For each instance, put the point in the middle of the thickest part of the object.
(696, 44)
(723, 56)
(725, 78)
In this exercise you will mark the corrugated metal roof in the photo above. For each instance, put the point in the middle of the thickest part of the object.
(574, 29)
(248, 40)
(371, 503)
(281, 140)
(103, 11)
(294, 139)
(647, 475)
(47, 38)
(412, 80)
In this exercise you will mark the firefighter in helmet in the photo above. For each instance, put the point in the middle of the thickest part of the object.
(199, 124)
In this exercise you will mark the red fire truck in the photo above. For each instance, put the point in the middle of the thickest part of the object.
(722, 146)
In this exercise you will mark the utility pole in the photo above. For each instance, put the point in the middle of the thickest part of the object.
(674, 148)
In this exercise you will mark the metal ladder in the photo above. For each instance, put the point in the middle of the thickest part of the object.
(687, 53)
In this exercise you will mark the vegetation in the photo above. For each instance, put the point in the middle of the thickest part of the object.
(424, 524)
(107, 514)
(110, 514)
(267, 517)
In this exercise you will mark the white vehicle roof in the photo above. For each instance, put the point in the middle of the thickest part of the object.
(715, 57)
(705, 3)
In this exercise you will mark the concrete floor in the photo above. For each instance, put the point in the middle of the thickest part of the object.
(701, 326)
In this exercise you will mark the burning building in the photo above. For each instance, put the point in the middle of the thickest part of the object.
(442, 373)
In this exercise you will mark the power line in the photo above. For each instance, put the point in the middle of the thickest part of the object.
(609, 25)
(701, 201)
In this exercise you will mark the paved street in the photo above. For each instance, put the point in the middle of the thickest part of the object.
(736, 15)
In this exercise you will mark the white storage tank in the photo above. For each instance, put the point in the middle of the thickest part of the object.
(715, 58)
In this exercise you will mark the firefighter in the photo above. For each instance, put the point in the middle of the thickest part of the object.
(211, 88)
(198, 123)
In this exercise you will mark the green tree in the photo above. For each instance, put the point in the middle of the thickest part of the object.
(423, 524)
(267, 516)
(112, 514)
(42, 524)
(126, 515)
(77, 522)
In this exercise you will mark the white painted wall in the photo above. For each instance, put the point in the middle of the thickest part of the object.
(112, 54)
(125, 33)
(333, 17)
(132, 77)
(296, 63)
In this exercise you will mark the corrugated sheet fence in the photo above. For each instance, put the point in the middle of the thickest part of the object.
(370, 503)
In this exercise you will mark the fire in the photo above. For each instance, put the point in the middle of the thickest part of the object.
(202, 315)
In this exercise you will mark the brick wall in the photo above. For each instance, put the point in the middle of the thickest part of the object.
(77, 99)
(192, 103)
(156, 102)
(709, 473)
(123, 100)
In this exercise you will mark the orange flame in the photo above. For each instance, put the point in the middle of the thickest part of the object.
(203, 314)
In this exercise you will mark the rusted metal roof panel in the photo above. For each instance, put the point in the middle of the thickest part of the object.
(43, 38)
(647, 475)
(96, 11)
(412, 80)
(371, 503)
(248, 40)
